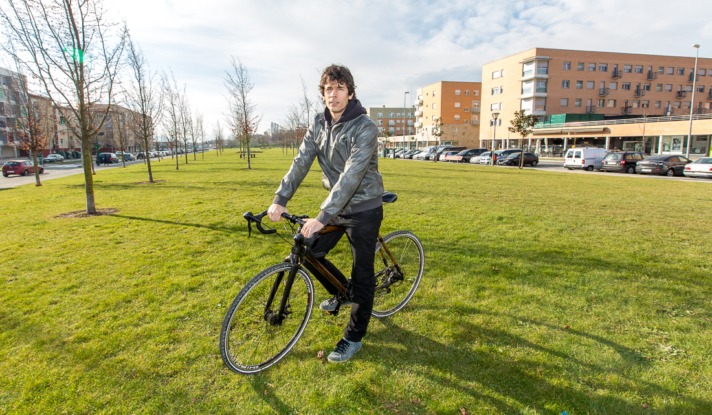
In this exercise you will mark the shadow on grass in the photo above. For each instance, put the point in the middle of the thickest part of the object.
(214, 227)
(463, 369)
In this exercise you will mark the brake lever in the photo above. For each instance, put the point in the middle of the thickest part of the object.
(257, 219)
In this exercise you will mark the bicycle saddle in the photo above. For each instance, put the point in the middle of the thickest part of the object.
(389, 197)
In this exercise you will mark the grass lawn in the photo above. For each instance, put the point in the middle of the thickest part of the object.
(543, 293)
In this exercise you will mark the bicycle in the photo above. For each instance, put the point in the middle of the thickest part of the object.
(269, 315)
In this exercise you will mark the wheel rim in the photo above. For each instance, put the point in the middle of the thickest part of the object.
(248, 343)
(408, 251)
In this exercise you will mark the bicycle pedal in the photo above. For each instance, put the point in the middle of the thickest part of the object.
(332, 313)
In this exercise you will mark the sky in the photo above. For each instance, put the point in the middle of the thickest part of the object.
(390, 46)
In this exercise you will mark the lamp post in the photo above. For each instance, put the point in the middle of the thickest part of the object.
(495, 115)
(692, 99)
(404, 120)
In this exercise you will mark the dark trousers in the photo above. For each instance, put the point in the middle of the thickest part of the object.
(362, 231)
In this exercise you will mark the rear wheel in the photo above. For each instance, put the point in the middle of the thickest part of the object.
(253, 336)
(589, 168)
(630, 170)
(670, 173)
(25, 172)
(397, 282)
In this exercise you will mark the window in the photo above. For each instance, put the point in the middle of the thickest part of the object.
(466, 109)
(567, 66)
(476, 93)
(646, 87)
(625, 86)
(659, 87)
(613, 85)
(498, 74)
(380, 115)
(670, 70)
(603, 67)
(658, 104)
(435, 93)
(457, 105)
(467, 92)
(579, 66)
(497, 90)
(565, 84)
(611, 103)
(577, 102)
(564, 102)
(579, 84)
(661, 70)
(627, 68)
(645, 104)
(435, 106)
(540, 86)
(636, 104)
(458, 92)
(592, 67)
(590, 85)
(601, 103)
(457, 117)
(638, 68)
(497, 106)
(680, 71)
(668, 87)
(702, 72)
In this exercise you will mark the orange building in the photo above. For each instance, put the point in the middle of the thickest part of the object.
(448, 113)
(395, 125)
(581, 96)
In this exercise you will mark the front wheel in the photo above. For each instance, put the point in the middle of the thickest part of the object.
(254, 335)
(396, 282)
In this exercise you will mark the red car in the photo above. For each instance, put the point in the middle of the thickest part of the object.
(21, 167)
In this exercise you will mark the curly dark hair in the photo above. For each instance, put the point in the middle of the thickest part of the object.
(340, 74)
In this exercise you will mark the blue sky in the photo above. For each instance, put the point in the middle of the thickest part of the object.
(391, 47)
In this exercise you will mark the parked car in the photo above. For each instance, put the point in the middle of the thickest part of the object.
(464, 156)
(477, 159)
(699, 168)
(486, 158)
(668, 165)
(106, 158)
(21, 167)
(444, 148)
(126, 156)
(586, 158)
(513, 159)
(51, 158)
(501, 154)
(621, 161)
(441, 156)
(426, 153)
(410, 154)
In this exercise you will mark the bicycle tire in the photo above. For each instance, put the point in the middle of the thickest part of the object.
(248, 342)
(397, 287)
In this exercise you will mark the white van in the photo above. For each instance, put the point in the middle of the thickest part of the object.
(587, 158)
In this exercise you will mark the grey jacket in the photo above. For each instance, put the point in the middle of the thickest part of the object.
(348, 157)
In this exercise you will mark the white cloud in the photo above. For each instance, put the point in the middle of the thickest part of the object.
(391, 47)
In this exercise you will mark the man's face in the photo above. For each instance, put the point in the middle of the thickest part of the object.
(336, 97)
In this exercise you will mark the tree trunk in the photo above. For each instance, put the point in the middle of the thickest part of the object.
(88, 177)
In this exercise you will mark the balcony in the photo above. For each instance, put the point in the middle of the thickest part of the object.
(602, 92)
(639, 92)
(709, 94)
(651, 75)
(616, 74)
(590, 109)
(692, 78)
(681, 94)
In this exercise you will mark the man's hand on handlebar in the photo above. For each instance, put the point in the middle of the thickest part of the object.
(275, 212)
(311, 227)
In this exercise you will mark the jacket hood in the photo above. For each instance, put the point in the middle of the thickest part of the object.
(352, 111)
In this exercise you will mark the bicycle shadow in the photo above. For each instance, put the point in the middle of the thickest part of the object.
(476, 366)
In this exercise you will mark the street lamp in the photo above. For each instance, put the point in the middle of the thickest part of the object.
(692, 99)
(404, 122)
(495, 115)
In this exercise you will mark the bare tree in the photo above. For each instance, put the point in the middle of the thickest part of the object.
(199, 134)
(186, 123)
(70, 49)
(172, 119)
(35, 127)
(242, 118)
(219, 139)
(144, 99)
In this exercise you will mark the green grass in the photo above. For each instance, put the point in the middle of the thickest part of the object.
(543, 292)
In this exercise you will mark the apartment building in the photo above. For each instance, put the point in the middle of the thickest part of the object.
(586, 93)
(395, 125)
(448, 112)
(12, 85)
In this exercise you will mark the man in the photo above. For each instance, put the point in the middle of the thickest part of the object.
(344, 141)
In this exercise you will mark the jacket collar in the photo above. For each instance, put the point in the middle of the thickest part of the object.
(353, 110)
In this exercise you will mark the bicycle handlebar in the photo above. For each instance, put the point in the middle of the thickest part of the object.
(257, 220)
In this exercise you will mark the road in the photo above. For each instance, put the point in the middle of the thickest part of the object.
(53, 171)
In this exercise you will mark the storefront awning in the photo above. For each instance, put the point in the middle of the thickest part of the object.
(573, 130)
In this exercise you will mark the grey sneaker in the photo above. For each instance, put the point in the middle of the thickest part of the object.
(330, 304)
(344, 350)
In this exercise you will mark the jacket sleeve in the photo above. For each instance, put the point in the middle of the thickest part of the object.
(300, 167)
(365, 145)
